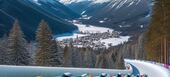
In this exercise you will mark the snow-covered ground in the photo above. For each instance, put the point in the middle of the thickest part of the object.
(83, 28)
(115, 41)
(73, 36)
(152, 70)
(92, 29)
(85, 16)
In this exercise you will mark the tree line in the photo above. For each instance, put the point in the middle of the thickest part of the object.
(14, 50)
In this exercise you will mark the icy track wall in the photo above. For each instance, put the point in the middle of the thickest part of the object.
(28, 71)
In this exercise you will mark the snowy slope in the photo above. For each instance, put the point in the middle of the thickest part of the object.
(92, 29)
(30, 12)
(55, 8)
(152, 70)
(67, 2)
(68, 36)
(116, 41)
(113, 13)
(70, 1)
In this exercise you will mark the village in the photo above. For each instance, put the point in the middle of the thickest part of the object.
(90, 39)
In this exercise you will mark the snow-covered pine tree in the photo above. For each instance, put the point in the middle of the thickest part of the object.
(2, 56)
(47, 52)
(3, 50)
(16, 47)
(3, 40)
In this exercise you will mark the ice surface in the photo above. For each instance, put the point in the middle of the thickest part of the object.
(152, 70)
(31, 71)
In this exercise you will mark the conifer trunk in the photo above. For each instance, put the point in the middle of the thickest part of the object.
(165, 51)
(164, 38)
(161, 51)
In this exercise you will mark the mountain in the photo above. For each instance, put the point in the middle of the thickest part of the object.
(127, 16)
(55, 8)
(79, 6)
(31, 12)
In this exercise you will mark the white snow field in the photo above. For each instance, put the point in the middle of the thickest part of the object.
(115, 41)
(152, 70)
(83, 28)
(92, 29)
(69, 36)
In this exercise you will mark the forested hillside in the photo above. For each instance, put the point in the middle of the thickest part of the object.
(15, 50)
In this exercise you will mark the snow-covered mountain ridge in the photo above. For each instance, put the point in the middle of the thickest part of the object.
(121, 2)
(30, 12)
(66, 2)
(121, 15)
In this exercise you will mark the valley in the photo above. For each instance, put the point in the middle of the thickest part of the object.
(120, 15)
(91, 36)
(84, 38)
